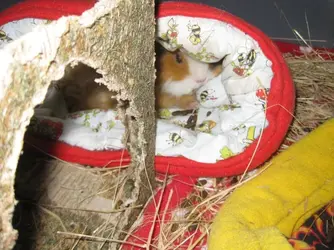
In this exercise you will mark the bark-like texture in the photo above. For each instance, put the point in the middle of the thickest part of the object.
(116, 38)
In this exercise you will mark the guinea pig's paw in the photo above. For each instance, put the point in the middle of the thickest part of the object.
(194, 105)
(188, 102)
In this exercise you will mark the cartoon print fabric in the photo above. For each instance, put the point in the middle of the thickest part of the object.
(246, 68)
(232, 111)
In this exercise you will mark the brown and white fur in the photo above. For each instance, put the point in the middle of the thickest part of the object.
(178, 77)
(81, 92)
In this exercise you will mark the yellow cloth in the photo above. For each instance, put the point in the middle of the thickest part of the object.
(261, 212)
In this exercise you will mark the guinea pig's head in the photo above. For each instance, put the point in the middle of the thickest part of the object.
(177, 66)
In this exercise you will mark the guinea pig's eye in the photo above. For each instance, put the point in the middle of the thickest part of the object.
(178, 58)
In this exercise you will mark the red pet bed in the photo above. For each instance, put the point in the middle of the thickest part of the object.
(278, 104)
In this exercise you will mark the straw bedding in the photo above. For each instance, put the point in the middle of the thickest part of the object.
(314, 80)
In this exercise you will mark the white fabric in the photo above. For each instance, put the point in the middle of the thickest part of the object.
(232, 111)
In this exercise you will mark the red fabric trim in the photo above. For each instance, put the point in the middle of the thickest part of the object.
(294, 49)
(282, 93)
(78, 155)
(179, 188)
(45, 9)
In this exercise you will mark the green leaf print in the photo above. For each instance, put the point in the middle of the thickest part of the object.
(111, 124)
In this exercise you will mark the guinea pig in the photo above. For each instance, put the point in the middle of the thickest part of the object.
(81, 92)
(179, 76)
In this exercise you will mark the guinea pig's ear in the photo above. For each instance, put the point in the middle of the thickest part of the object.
(178, 57)
(159, 49)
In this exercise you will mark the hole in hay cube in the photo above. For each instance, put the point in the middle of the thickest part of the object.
(80, 91)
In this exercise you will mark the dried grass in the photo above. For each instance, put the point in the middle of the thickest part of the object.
(314, 81)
